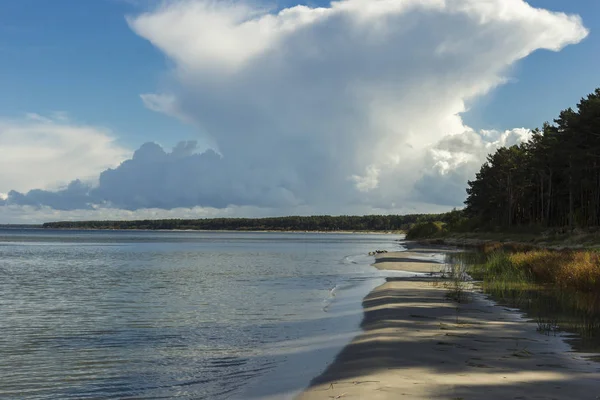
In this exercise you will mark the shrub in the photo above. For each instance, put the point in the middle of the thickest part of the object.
(425, 230)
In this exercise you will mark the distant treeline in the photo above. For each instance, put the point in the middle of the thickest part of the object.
(295, 223)
(553, 180)
(19, 226)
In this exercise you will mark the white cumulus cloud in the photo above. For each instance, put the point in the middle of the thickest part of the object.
(455, 159)
(46, 152)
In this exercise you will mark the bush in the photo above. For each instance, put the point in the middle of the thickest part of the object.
(425, 230)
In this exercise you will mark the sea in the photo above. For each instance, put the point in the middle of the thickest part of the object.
(177, 314)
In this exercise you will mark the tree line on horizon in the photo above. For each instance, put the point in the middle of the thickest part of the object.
(293, 223)
(552, 180)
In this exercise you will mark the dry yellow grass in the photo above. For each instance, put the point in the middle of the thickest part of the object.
(576, 269)
(492, 246)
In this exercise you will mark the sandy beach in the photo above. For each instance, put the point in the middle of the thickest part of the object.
(418, 344)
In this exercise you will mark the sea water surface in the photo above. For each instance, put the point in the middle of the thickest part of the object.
(192, 315)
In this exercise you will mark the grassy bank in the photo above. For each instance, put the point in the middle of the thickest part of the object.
(561, 258)
(560, 290)
(575, 239)
(462, 233)
(577, 270)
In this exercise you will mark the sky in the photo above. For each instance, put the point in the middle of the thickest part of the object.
(121, 109)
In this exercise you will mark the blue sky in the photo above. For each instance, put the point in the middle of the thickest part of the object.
(81, 57)
(280, 104)
(545, 82)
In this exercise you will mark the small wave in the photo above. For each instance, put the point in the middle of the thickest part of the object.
(348, 260)
(227, 362)
(330, 297)
(357, 259)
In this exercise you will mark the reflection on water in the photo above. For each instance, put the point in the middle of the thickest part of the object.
(575, 315)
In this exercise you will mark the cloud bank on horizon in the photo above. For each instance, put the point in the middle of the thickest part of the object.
(351, 107)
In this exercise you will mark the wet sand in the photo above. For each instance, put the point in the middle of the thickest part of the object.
(418, 344)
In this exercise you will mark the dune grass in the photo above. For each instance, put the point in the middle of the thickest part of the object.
(558, 289)
(567, 269)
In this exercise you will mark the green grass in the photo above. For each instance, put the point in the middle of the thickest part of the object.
(535, 238)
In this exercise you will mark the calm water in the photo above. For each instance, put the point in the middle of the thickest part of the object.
(87, 314)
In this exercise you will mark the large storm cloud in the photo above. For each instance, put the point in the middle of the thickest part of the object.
(356, 104)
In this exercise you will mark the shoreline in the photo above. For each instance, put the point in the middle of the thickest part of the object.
(417, 344)
(340, 316)
(310, 357)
